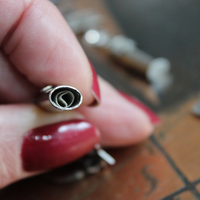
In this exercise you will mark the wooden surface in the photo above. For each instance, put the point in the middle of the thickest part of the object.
(166, 166)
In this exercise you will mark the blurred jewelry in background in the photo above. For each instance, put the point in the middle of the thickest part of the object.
(125, 51)
(89, 26)
(83, 20)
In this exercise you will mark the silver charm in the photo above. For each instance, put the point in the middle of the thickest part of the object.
(61, 97)
(104, 155)
(90, 164)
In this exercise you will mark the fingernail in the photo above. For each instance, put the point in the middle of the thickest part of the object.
(95, 87)
(155, 120)
(57, 144)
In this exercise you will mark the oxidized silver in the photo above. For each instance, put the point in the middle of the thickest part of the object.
(61, 97)
(90, 164)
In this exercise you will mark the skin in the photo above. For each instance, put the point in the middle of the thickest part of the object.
(38, 49)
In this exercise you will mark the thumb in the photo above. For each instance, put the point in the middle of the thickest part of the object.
(26, 149)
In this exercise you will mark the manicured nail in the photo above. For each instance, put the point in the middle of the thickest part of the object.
(57, 144)
(95, 87)
(155, 120)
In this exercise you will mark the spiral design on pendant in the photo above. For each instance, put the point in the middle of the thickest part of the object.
(65, 97)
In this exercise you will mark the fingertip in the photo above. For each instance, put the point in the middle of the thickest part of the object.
(131, 125)
(64, 141)
(44, 49)
(121, 122)
(155, 120)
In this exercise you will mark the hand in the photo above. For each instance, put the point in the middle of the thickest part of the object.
(39, 49)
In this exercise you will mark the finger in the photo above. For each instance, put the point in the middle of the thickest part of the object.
(14, 87)
(42, 47)
(121, 122)
(26, 150)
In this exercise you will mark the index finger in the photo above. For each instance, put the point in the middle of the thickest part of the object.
(41, 46)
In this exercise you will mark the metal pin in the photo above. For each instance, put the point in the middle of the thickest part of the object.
(125, 50)
(61, 97)
(104, 155)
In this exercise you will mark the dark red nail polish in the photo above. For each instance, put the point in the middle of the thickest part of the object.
(57, 144)
(152, 116)
(95, 87)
